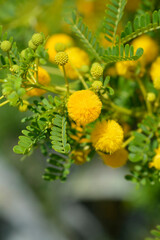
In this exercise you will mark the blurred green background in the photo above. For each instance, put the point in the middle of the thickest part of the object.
(96, 202)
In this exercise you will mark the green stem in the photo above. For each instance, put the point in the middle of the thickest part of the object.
(5, 102)
(80, 76)
(130, 139)
(9, 58)
(66, 80)
(52, 70)
(36, 68)
(144, 93)
(1, 97)
(121, 109)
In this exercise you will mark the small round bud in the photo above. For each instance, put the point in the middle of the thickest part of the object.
(24, 106)
(15, 68)
(61, 58)
(31, 45)
(151, 97)
(23, 53)
(84, 69)
(97, 85)
(60, 47)
(96, 70)
(6, 46)
(37, 39)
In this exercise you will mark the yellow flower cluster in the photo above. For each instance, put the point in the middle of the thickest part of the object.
(156, 160)
(53, 40)
(107, 136)
(43, 79)
(84, 107)
(115, 160)
(155, 73)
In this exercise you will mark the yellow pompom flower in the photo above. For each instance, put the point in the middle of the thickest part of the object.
(77, 59)
(57, 38)
(84, 107)
(155, 73)
(115, 160)
(126, 68)
(149, 46)
(107, 136)
(43, 79)
(156, 160)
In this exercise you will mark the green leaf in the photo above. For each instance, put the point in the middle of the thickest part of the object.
(114, 13)
(59, 136)
(141, 24)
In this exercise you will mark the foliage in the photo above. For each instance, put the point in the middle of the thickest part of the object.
(114, 13)
(155, 233)
(49, 125)
(141, 24)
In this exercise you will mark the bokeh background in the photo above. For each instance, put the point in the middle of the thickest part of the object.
(96, 203)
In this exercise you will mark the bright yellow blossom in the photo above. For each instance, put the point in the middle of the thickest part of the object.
(155, 73)
(156, 160)
(84, 107)
(53, 40)
(43, 79)
(149, 46)
(107, 136)
(80, 156)
(77, 59)
(126, 68)
(115, 160)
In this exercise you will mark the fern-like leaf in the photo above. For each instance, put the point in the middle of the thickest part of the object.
(121, 53)
(58, 168)
(142, 24)
(86, 37)
(58, 135)
(114, 14)
(155, 233)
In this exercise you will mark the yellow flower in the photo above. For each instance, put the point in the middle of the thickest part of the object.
(149, 46)
(156, 160)
(155, 73)
(77, 59)
(107, 136)
(126, 68)
(80, 156)
(84, 107)
(23, 106)
(43, 79)
(57, 38)
(117, 159)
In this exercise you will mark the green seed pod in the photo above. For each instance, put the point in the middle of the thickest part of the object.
(6, 46)
(31, 45)
(96, 70)
(60, 47)
(37, 39)
(97, 85)
(151, 97)
(61, 58)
